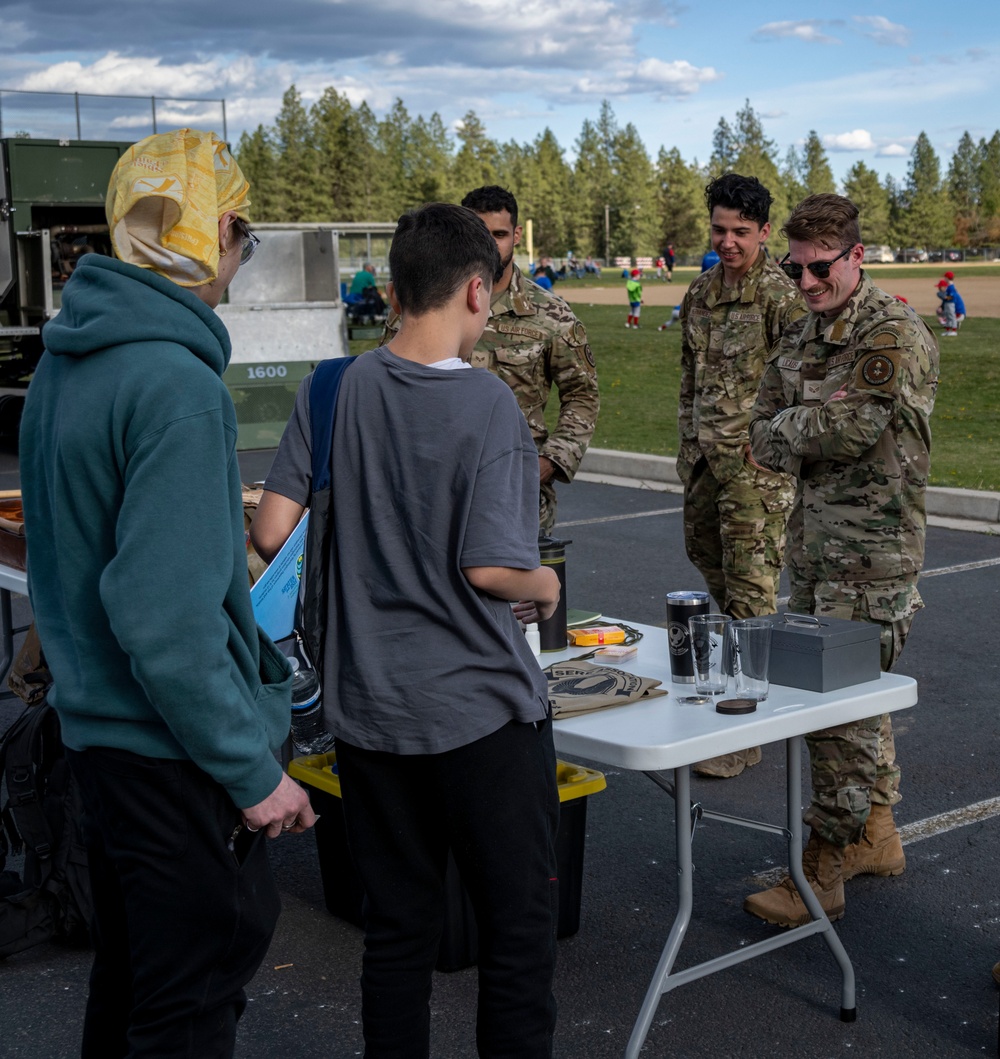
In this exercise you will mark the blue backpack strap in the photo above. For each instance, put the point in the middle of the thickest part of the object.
(323, 392)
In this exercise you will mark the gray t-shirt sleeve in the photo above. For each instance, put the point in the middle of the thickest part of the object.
(291, 472)
(502, 528)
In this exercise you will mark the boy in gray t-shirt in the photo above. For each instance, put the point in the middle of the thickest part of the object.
(440, 710)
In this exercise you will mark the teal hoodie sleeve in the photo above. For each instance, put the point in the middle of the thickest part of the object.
(175, 605)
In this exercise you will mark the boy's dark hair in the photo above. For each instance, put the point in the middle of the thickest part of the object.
(746, 195)
(492, 199)
(827, 219)
(435, 250)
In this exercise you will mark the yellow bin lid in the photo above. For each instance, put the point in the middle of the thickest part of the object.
(575, 781)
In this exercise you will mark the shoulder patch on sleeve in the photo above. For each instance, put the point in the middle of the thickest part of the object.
(877, 370)
(577, 336)
(887, 337)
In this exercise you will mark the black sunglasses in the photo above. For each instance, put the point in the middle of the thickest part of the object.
(248, 241)
(820, 269)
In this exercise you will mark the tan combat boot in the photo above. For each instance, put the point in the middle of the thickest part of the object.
(822, 862)
(728, 765)
(879, 851)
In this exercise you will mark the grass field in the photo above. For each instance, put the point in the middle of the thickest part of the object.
(639, 373)
(683, 276)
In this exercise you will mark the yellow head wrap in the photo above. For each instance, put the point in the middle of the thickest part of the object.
(165, 198)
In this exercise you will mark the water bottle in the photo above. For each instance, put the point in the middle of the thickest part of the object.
(534, 638)
(309, 734)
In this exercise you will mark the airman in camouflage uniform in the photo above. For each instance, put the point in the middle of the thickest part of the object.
(532, 341)
(734, 512)
(844, 406)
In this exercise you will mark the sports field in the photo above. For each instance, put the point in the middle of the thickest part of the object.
(979, 286)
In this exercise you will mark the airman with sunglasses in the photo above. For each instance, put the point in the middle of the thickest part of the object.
(731, 319)
(844, 406)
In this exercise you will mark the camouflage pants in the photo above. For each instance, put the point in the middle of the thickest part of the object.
(546, 508)
(735, 535)
(853, 765)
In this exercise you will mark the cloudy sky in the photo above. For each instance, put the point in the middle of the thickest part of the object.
(867, 82)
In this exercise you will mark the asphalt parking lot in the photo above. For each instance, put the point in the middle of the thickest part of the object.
(922, 944)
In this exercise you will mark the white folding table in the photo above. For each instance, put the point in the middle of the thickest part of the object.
(660, 736)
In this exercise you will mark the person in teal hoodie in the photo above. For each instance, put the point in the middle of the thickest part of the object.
(172, 703)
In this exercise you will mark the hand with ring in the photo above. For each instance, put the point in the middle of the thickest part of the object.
(285, 810)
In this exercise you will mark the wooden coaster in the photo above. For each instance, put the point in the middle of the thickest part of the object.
(736, 706)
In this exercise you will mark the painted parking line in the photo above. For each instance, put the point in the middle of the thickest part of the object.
(918, 831)
(959, 568)
(620, 518)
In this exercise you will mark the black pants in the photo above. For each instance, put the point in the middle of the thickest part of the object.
(181, 920)
(495, 804)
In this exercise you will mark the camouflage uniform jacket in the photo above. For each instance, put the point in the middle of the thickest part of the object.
(531, 341)
(861, 460)
(726, 336)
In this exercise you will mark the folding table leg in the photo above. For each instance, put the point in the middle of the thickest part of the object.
(685, 889)
(793, 749)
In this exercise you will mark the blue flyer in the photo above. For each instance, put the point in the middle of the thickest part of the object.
(275, 594)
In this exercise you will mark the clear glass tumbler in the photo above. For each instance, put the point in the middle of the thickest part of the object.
(711, 650)
(751, 639)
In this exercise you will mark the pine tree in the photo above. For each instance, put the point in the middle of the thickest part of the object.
(592, 190)
(258, 160)
(929, 220)
(344, 156)
(862, 187)
(724, 150)
(681, 203)
(475, 164)
(989, 190)
(816, 173)
(300, 195)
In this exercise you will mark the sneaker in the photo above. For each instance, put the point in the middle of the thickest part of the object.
(950, 334)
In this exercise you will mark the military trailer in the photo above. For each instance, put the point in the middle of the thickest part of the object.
(284, 311)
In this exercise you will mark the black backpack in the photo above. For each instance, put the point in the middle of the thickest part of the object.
(49, 899)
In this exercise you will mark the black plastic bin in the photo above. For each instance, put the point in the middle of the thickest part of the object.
(344, 893)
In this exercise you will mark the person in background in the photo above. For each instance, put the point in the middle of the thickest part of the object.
(675, 315)
(731, 318)
(710, 260)
(171, 701)
(540, 276)
(633, 291)
(364, 279)
(533, 341)
(439, 707)
(670, 257)
(957, 303)
(845, 407)
(946, 310)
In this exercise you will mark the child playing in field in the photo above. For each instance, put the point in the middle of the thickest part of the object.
(948, 310)
(675, 315)
(956, 299)
(633, 289)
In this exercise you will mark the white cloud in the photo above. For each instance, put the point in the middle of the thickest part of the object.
(882, 31)
(808, 30)
(678, 78)
(857, 140)
(118, 74)
(13, 34)
(892, 150)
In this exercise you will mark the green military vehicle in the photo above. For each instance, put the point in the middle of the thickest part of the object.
(284, 311)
